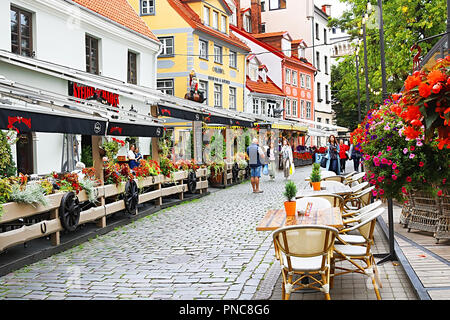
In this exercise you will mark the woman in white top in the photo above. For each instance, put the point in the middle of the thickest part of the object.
(271, 157)
(288, 161)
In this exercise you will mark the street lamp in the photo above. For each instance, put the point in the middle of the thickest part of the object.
(357, 83)
(366, 69)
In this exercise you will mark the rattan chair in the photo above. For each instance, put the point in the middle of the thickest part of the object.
(361, 199)
(353, 215)
(358, 255)
(348, 175)
(304, 251)
(424, 215)
(333, 199)
(355, 179)
(318, 203)
(443, 226)
(339, 179)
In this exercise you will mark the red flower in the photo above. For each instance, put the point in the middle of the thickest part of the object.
(404, 190)
(411, 82)
(421, 164)
(408, 179)
(435, 76)
(424, 90)
(412, 148)
(439, 193)
(436, 88)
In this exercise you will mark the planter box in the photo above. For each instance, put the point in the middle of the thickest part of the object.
(148, 181)
(177, 176)
(200, 173)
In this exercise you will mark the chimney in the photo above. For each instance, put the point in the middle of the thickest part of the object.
(294, 49)
(239, 18)
(326, 8)
(255, 9)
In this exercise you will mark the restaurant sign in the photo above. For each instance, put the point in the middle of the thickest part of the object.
(87, 92)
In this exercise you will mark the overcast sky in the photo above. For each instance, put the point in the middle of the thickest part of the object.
(337, 7)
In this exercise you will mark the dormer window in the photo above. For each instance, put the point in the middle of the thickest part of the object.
(215, 20)
(206, 13)
(223, 24)
(247, 24)
(253, 71)
(301, 52)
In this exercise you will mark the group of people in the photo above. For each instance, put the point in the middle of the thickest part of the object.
(336, 156)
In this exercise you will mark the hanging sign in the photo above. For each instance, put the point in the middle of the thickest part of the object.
(86, 92)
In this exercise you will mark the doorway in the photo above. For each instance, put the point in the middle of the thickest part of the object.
(24, 148)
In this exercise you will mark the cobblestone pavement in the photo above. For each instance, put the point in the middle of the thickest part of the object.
(203, 249)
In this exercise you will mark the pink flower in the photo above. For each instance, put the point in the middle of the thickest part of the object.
(405, 151)
(397, 171)
(389, 148)
(389, 162)
(444, 181)
(381, 191)
(419, 143)
(384, 161)
(412, 155)
(380, 179)
(404, 190)
(374, 193)
(394, 166)
(394, 177)
(372, 176)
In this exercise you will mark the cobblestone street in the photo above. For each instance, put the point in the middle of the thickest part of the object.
(202, 249)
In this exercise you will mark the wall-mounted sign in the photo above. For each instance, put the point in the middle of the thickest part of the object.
(218, 80)
(218, 70)
(87, 92)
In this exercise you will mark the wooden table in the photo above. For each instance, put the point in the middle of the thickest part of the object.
(275, 219)
(305, 190)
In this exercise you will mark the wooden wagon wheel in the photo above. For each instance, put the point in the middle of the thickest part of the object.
(235, 171)
(69, 211)
(192, 181)
(131, 197)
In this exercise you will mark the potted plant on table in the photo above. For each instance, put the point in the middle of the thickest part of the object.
(315, 177)
(290, 192)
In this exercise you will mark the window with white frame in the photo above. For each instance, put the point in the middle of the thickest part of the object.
(288, 107)
(255, 106)
(147, 7)
(294, 78)
(223, 24)
(319, 93)
(308, 110)
(294, 107)
(301, 52)
(247, 24)
(203, 47)
(203, 87)
(165, 86)
(263, 106)
(326, 65)
(327, 96)
(215, 20)
(288, 76)
(167, 46)
(253, 71)
(308, 82)
(233, 59)
(217, 54)
(206, 13)
(217, 95)
(232, 98)
(302, 109)
(302, 80)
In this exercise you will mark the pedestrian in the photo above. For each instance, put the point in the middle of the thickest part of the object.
(356, 155)
(132, 157)
(138, 155)
(343, 148)
(255, 156)
(272, 160)
(287, 159)
(333, 161)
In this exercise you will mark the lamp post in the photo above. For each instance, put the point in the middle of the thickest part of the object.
(366, 69)
(357, 84)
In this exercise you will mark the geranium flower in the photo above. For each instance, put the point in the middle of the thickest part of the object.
(434, 77)
(411, 82)
(394, 166)
(439, 193)
(408, 179)
(384, 161)
(394, 177)
(397, 171)
(421, 164)
(389, 148)
(374, 193)
(405, 150)
(412, 155)
(380, 179)
(412, 148)
(381, 192)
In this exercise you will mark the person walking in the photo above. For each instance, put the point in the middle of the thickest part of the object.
(255, 156)
(343, 148)
(333, 162)
(272, 161)
(356, 155)
(287, 159)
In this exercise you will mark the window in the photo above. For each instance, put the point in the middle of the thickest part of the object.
(232, 98)
(288, 107)
(223, 24)
(255, 106)
(165, 86)
(302, 109)
(263, 28)
(301, 52)
(203, 47)
(263, 107)
(206, 15)
(327, 121)
(324, 35)
(294, 78)
(326, 64)
(233, 59)
(333, 30)
(248, 24)
(308, 110)
(217, 54)
(294, 107)
(253, 72)
(263, 5)
(308, 82)
(215, 20)
(132, 68)
(327, 96)
(277, 4)
(203, 87)
(318, 60)
(317, 31)
(147, 7)
(21, 32)
(91, 55)
(217, 95)
(319, 119)
(319, 96)
(302, 80)
(167, 46)
(288, 76)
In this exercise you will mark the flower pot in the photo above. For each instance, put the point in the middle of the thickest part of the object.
(290, 207)
(316, 186)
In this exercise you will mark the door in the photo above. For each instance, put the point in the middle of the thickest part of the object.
(24, 147)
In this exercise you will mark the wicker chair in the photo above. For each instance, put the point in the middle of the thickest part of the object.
(405, 214)
(443, 226)
(352, 216)
(354, 179)
(334, 178)
(424, 212)
(356, 253)
(305, 251)
(359, 200)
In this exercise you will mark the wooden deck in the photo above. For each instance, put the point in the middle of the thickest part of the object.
(430, 261)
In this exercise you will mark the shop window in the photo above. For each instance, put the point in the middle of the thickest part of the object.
(21, 32)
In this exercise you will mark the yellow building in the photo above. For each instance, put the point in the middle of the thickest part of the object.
(195, 36)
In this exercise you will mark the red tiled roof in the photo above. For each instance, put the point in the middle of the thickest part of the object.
(268, 87)
(191, 17)
(271, 34)
(119, 11)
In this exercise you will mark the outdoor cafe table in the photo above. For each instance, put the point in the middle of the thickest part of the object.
(276, 218)
(305, 190)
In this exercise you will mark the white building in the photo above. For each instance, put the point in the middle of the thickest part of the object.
(76, 48)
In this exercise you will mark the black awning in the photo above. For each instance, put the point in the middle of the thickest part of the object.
(54, 121)
(179, 113)
(213, 119)
(118, 128)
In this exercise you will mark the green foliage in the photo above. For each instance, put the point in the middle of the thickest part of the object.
(405, 22)
(5, 192)
(290, 190)
(7, 165)
(32, 194)
(86, 156)
(315, 174)
(89, 186)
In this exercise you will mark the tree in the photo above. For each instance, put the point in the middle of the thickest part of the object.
(405, 23)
